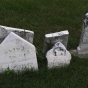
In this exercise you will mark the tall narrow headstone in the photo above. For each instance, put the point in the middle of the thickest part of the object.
(53, 38)
(17, 54)
(26, 34)
(83, 45)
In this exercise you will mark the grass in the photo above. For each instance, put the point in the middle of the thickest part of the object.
(47, 16)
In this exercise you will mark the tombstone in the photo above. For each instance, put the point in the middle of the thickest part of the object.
(58, 56)
(52, 38)
(83, 45)
(26, 34)
(17, 54)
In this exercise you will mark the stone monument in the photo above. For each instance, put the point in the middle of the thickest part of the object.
(26, 34)
(17, 54)
(58, 56)
(83, 45)
(52, 38)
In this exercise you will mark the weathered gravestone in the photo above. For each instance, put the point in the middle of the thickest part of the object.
(51, 39)
(83, 45)
(58, 56)
(26, 34)
(17, 54)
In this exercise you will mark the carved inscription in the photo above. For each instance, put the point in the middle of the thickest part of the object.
(16, 53)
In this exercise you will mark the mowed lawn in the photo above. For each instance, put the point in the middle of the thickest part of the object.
(42, 17)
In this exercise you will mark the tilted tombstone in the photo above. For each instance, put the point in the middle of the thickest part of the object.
(58, 56)
(83, 45)
(17, 54)
(52, 38)
(26, 34)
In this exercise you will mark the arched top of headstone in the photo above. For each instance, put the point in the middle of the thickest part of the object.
(85, 20)
(86, 16)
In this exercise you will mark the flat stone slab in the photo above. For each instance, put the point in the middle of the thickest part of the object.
(26, 34)
(52, 38)
(75, 53)
(17, 54)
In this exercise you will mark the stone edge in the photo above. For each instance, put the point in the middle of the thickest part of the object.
(75, 53)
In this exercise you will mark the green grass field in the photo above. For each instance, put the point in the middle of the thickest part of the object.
(42, 17)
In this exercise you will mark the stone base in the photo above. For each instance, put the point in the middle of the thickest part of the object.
(82, 51)
(75, 53)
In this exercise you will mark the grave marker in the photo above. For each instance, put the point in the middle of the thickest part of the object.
(52, 38)
(83, 45)
(26, 34)
(58, 56)
(17, 54)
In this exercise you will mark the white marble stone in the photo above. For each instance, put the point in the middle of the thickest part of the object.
(17, 54)
(26, 34)
(52, 38)
(83, 45)
(58, 56)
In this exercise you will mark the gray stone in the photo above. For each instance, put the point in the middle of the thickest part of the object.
(58, 56)
(83, 45)
(52, 38)
(17, 54)
(26, 34)
(75, 53)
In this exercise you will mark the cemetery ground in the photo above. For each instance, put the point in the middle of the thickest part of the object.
(43, 17)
